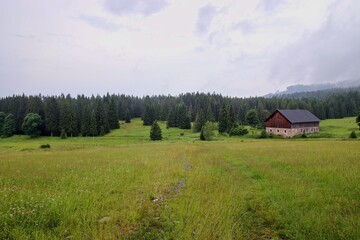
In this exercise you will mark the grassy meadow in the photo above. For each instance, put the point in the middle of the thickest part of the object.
(123, 186)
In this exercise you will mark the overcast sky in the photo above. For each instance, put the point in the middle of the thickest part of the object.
(140, 47)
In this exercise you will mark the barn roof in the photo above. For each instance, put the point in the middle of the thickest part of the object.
(297, 116)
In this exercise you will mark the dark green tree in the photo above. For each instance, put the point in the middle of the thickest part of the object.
(223, 120)
(155, 132)
(127, 116)
(209, 114)
(199, 121)
(2, 121)
(231, 121)
(32, 125)
(102, 121)
(182, 119)
(9, 127)
(149, 115)
(113, 115)
(68, 116)
(358, 118)
(52, 116)
(171, 121)
(252, 117)
(88, 123)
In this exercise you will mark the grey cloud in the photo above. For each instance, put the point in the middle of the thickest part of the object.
(246, 27)
(205, 17)
(143, 7)
(330, 54)
(99, 22)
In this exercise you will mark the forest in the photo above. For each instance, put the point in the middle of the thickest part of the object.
(97, 115)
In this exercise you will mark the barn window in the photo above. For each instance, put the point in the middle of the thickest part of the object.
(270, 130)
(284, 131)
(278, 130)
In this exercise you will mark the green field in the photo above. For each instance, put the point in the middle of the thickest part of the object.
(123, 186)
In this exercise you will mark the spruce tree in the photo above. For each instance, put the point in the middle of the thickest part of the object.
(127, 116)
(88, 123)
(182, 120)
(252, 117)
(2, 121)
(223, 119)
(358, 118)
(231, 122)
(149, 115)
(209, 114)
(113, 115)
(171, 121)
(199, 121)
(9, 127)
(52, 116)
(155, 132)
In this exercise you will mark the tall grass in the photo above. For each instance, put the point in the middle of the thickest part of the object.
(124, 186)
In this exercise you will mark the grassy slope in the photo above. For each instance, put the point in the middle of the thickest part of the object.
(256, 189)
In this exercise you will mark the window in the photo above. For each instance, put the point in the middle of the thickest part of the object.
(278, 130)
(284, 131)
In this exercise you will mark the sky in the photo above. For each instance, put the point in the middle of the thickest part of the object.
(146, 47)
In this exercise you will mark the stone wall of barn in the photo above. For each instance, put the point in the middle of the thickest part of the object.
(290, 132)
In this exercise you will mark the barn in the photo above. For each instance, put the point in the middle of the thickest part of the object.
(288, 123)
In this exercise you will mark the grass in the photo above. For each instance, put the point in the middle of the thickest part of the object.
(124, 186)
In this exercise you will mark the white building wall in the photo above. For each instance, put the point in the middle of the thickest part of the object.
(290, 132)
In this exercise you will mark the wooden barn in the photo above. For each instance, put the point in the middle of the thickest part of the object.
(288, 123)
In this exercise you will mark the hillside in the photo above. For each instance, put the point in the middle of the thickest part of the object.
(317, 90)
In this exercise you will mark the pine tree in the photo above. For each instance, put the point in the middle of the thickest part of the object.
(210, 114)
(182, 120)
(88, 123)
(199, 121)
(9, 127)
(155, 132)
(68, 116)
(358, 118)
(231, 122)
(2, 121)
(113, 115)
(223, 119)
(252, 117)
(127, 116)
(171, 121)
(52, 116)
(149, 115)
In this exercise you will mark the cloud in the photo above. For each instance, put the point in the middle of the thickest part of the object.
(327, 55)
(269, 6)
(205, 17)
(99, 22)
(246, 27)
(143, 7)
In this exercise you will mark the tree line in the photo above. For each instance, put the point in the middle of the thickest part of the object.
(97, 115)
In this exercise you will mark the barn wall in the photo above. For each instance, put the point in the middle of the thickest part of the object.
(278, 121)
(290, 132)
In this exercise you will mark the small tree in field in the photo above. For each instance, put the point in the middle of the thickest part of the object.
(9, 126)
(32, 124)
(155, 132)
(207, 131)
(353, 135)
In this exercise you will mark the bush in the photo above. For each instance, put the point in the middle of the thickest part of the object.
(207, 131)
(352, 135)
(263, 134)
(238, 131)
(304, 135)
(45, 146)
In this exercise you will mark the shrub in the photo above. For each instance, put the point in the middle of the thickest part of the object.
(182, 134)
(207, 131)
(45, 145)
(304, 135)
(263, 134)
(238, 131)
(352, 135)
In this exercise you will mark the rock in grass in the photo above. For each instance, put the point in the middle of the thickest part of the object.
(104, 219)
